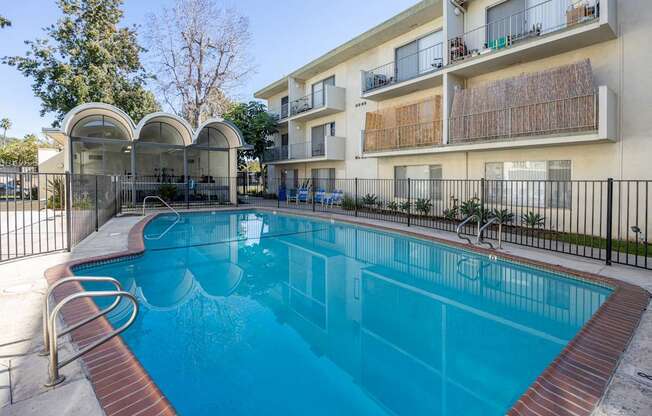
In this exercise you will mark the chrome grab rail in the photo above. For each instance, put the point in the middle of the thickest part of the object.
(458, 230)
(158, 237)
(46, 307)
(54, 365)
(479, 239)
(164, 203)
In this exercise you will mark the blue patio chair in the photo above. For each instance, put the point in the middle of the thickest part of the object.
(319, 196)
(292, 195)
(333, 199)
(303, 195)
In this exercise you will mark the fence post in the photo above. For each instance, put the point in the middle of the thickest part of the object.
(278, 192)
(355, 201)
(188, 193)
(115, 180)
(313, 196)
(409, 200)
(97, 211)
(68, 213)
(610, 194)
(482, 201)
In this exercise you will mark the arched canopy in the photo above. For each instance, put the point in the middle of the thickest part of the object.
(218, 132)
(98, 120)
(164, 128)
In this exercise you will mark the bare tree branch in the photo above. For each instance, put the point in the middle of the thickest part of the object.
(199, 53)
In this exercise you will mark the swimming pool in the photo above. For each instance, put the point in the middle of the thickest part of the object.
(250, 312)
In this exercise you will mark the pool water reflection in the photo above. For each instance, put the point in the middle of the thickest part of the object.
(251, 312)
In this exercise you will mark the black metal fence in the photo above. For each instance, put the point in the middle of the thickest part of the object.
(48, 212)
(606, 220)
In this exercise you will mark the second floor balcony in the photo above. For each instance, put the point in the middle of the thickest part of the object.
(319, 103)
(330, 148)
(412, 136)
(406, 74)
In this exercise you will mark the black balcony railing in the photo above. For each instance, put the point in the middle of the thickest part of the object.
(408, 67)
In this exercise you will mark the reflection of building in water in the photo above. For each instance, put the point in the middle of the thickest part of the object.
(414, 323)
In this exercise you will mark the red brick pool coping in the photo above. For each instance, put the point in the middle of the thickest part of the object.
(572, 384)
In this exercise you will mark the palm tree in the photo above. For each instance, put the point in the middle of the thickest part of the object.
(502, 216)
(5, 124)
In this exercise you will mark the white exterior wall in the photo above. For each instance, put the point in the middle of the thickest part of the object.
(620, 64)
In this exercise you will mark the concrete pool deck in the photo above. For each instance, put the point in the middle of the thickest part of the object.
(22, 372)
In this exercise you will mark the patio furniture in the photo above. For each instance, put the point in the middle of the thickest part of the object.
(333, 199)
(319, 196)
(298, 196)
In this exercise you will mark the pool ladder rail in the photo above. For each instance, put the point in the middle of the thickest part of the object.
(479, 235)
(164, 203)
(176, 221)
(51, 335)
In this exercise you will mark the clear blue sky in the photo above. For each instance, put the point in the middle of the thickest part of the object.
(285, 35)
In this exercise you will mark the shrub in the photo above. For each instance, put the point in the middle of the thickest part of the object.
(57, 198)
(348, 203)
(392, 206)
(470, 207)
(380, 204)
(423, 206)
(533, 220)
(405, 206)
(451, 213)
(167, 192)
(369, 200)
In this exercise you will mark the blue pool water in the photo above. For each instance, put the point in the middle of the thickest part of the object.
(247, 313)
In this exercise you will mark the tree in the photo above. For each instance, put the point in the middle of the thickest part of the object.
(4, 22)
(20, 152)
(256, 125)
(5, 124)
(199, 55)
(87, 57)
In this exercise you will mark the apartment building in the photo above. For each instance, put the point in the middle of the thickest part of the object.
(507, 89)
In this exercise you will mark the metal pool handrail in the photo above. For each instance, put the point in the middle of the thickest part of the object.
(46, 306)
(164, 203)
(458, 230)
(54, 364)
(479, 239)
(158, 237)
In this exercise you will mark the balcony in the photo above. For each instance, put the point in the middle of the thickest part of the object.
(282, 113)
(319, 103)
(586, 118)
(408, 137)
(415, 72)
(548, 28)
(332, 148)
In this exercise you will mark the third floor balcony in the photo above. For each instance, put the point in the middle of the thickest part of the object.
(408, 73)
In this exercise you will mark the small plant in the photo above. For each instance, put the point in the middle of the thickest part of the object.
(405, 206)
(502, 216)
(348, 203)
(423, 206)
(380, 204)
(451, 213)
(392, 206)
(533, 220)
(167, 191)
(369, 200)
(470, 207)
(57, 198)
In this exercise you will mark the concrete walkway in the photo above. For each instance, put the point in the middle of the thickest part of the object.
(23, 372)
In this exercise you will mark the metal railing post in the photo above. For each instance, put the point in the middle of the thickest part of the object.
(68, 205)
(409, 200)
(97, 211)
(313, 196)
(356, 197)
(188, 193)
(609, 248)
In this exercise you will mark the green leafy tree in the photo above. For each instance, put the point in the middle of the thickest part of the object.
(20, 152)
(502, 216)
(86, 57)
(256, 125)
(5, 124)
(4, 22)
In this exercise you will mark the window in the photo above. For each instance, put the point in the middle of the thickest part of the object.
(211, 137)
(318, 136)
(505, 23)
(100, 127)
(319, 91)
(161, 133)
(425, 184)
(284, 106)
(324, 179)
(419, 56)
(542, 183)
